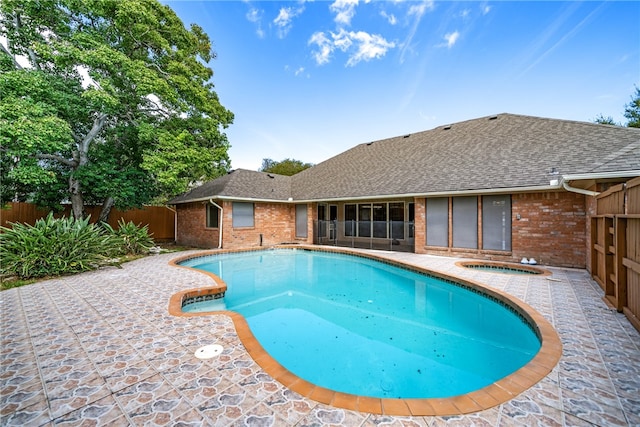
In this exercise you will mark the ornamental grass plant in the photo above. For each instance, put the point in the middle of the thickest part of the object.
(60, 246)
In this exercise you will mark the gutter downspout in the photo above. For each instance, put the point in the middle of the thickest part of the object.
(221, 221)
(175, 223)
(567, 187)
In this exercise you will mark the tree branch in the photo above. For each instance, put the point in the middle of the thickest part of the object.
(13, 58)
(60, 159)
(32, 55)
(98, 124)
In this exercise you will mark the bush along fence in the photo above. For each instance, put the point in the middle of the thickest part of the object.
(159, 219)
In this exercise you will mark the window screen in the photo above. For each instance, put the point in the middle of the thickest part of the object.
(438, 221)
(396, 216)
(412, 218)
(212, 216)
(380, 220)
(364, 220)
(242, 214)
(349, 220)
(301, 220)
(465, 222)
(496, 222)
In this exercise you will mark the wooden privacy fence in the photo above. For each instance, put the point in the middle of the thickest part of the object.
(160, 219)
(615, 247)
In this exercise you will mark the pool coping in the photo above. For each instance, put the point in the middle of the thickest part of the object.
(487, 397)
(529, 268)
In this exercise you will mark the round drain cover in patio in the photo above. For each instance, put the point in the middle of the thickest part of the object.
(208, 351)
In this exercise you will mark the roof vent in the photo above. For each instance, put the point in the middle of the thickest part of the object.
(270, 176)
(407, 136)
(447, 127)
(493, 117)
(370, 143)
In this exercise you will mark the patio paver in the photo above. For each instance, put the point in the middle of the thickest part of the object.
(101, 348)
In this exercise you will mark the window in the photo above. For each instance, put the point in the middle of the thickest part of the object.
(322, 221)
(377, 220)
(438, 221)
(412, 219)
(349, 220)
(396, 216)
(212, 216)
(380, 220)
(364, 220)
(465, 222)
(496, 223)
(242, 214)
(301, 221)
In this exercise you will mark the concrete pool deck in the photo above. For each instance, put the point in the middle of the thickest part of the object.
(101, 348)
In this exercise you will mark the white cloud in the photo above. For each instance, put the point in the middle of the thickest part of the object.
(419, 9)
(325, 47)
(416, 12)
(465, 13)
(284, 20)
(451, 38)
(344, 10)
(360, 46)
(485, 8)
(255, 16)
(370, 46)
(391, 18)
(298, 71)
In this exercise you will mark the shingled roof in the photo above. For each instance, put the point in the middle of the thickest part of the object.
(240, 184)
(505, 152)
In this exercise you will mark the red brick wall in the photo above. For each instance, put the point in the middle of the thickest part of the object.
(274, 221)
(420, 231)
(192, 230)
(552, 229)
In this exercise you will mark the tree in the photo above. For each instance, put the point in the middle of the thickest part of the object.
(632, 110)
(115, 107)
(286, 167)
(608, 120)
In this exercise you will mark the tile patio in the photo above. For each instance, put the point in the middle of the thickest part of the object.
(100, 348)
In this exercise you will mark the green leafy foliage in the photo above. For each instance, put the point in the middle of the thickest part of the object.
(286, 167)
(632, 110)
(132, 239)
(54, 247)
(608, 120)
(142, 126)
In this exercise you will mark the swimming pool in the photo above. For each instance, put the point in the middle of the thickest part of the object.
(387, 332)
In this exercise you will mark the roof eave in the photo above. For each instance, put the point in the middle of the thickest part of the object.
(230, 198)
(471, 192)
(602, 175)
(506, 190)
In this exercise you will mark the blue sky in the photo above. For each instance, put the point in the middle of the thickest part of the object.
(309, 80)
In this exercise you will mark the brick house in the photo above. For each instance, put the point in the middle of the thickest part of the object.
(503, 187)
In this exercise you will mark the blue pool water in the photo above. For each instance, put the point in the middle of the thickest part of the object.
(364, 327)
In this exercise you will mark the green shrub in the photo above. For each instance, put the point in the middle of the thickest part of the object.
(132, 239)
(54, 247)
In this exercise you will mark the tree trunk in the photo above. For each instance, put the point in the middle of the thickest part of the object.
(106, 209)
(77, 201)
